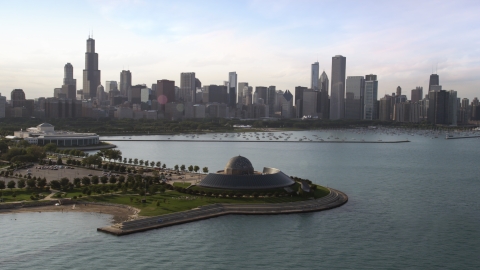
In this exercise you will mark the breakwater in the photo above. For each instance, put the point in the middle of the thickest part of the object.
(334, 199)
(251, 141)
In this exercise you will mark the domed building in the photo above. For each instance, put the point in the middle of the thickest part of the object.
(240, 175)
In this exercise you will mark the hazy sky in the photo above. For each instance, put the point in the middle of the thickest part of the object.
(265, 42)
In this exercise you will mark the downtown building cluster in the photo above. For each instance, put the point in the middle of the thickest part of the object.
(349, 97)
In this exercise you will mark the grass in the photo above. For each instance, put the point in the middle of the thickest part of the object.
(181, 184)
(22, 194)
(173, 201)
(246, 192)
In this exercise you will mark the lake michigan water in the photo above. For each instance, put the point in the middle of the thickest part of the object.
(411, 206)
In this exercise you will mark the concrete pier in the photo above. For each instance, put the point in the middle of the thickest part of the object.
(334, 199)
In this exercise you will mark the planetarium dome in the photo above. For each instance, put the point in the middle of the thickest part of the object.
(238, 166)
(239, 175)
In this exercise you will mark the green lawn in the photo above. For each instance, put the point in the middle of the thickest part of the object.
(173, 201)
(22, 194)
(181, 184)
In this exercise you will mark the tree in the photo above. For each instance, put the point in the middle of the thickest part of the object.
(104, 179)
(164, 166)
(2, 184)
(152, 163)
(190, 168)
(64, 182)
(205, 169)
(41, 183)
(176, 167)
(77, 181)
(36, 152)
(158, 164)
(152, 189)
(31, 183)
(55, 184)
(141, 162)
(135, 161)
(86, 181)
(124, 160)
(95, 180)
(3, 147)
(196, 168)
(51, 147)
(59, 161)
(21, 183)
(11, 184)
(146, 163)
(182, 167)
(112, 179)
(130, 161)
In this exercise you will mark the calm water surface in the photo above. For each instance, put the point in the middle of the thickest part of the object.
(411, 206)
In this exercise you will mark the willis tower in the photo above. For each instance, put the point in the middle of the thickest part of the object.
(91, 74)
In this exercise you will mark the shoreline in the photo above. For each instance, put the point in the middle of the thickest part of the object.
(119, 213)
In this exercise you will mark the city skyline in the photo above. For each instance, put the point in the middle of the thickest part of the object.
(264, 48)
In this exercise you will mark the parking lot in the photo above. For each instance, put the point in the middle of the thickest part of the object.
(51, 174)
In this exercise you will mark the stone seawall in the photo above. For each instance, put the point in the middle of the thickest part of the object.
(334, 199)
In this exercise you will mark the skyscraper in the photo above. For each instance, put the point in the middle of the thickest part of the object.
(314, 73)
(125, 82)
(337, 99)
(370, 97)
(232, 89)
(3, 105)
(434, 80)
(241, 92)
(271, 95)
(165, 91)
(91, 74)
(417, 94)
(299, 100)
(452, 107)
(187, 87)
(323, 84)
(355, 88)
(68, 75)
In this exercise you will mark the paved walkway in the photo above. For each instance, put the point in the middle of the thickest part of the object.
(334, 199)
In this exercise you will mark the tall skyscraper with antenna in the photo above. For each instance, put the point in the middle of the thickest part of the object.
(434, 80)
(91, 74)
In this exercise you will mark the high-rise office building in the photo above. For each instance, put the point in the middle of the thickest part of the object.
(111, 86)
(241, 92)
(165, 91)
(248, 95)
(287, 105)
(188, 88)
(314, 74)
(68, 75)
(91, 74)
(452, 107)
(17, 95)
(399, 91)
(299, 100)
(417, 94)
(385, 108)
(370, 97)
(323, 84)
(270, 101)
(309, 103)
(337, 97)
(101, 95)
(262, 92)
(355, 89)
(232, 89)
(215, 93)
(125, 83)
(434, 80)
(3, 105)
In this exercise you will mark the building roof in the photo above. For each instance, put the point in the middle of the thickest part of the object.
(45, 125)
(248, 182)
(239, 164)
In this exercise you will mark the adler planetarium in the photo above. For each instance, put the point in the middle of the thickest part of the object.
(240, 175)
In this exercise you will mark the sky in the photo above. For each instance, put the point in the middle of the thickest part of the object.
(265, 42)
